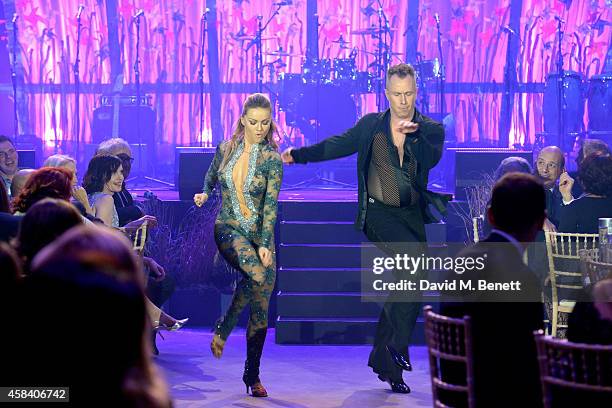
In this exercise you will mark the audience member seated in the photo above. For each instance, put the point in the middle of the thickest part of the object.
(9, 223)
(44, 222)
(127, 210)
(512, 164)
(160, 286)
(591, 319)
(550, 168)
(505, 359)
(78, 193)
(91, 335)
(100, 240)
(46, 182)
(10, 275)
(582, 215)
(19, 180)
(587, 148)
(104, 177)
(9, 160)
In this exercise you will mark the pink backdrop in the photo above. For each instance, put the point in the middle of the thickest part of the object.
(474, 49)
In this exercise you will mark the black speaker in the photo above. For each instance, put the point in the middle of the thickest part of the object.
(26, 159)
(471, 165)
(193, 163)
(102, 124)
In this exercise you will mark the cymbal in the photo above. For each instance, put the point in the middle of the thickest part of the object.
(251, 38)
(340, 41)
(376, 53)
(372, 31)
(282, 53)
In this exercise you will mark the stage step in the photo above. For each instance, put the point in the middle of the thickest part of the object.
(319, 276)
(339, 232)
(334, 331)
(320, 210)
(334, 304)
(319, 279)
(321, 232)
(322, 255)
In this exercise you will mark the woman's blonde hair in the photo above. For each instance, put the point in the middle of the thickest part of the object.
(58, 160)
(256, 100)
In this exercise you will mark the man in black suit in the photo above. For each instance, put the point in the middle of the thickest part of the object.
(503, 321)
(550, 166)
(395, 149)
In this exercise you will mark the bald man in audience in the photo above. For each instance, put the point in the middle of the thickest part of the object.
(550, 168)
(19, 180)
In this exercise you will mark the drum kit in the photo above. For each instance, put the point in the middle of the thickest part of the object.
(565, 95)
(595, 93)
(324, 96)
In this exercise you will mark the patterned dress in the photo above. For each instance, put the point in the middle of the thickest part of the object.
(93, 199)
(238, 237)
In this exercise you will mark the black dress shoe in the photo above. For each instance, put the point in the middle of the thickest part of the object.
(399, 359)
(398, 386)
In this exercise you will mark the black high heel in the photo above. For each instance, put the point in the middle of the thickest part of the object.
(250, 377)
(251, 380)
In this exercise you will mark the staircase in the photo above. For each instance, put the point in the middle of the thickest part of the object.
(319, 290)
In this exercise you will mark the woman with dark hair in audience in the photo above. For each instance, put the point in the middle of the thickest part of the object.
(44, 222)
(46, 182)
(89, 275)
(9, 223)
(103, 178)
(582, 215)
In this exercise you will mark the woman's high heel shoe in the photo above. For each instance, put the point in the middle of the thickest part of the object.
(252, 381)
(157, 326)
(257, 390)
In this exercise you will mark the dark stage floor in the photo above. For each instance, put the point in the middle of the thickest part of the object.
(295, 376)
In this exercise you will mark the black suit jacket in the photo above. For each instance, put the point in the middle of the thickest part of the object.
(126, 209)
(554, 202)
(426, 144)
(9, 226)
(505, 358)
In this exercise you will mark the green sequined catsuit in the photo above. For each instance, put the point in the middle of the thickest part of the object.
(239, 237)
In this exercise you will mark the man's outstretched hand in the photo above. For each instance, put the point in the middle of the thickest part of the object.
(286, 156)
(406, 126)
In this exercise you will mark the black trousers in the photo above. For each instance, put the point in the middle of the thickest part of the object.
(390, 228)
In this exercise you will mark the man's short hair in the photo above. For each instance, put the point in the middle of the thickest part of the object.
(590, 146)
(6, 139)
(512, 164)
(517, 202)
(401, 70)
(112, 146)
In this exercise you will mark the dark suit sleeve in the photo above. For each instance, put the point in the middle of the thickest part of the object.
(568, 217)
(331, 148)
(432, 139)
